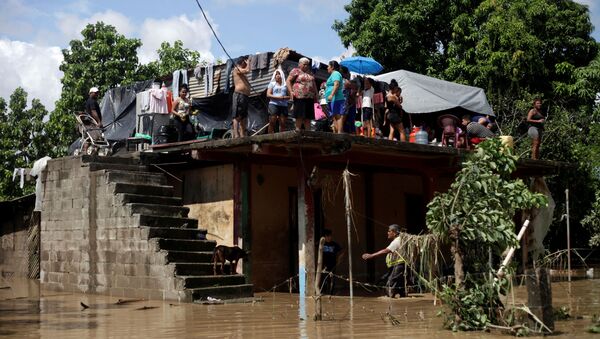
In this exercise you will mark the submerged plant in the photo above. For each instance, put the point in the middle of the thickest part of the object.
(474, 216)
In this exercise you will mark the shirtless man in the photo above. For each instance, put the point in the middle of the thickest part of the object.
(241, 92)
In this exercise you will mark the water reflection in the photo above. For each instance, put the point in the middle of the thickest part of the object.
(58, 315)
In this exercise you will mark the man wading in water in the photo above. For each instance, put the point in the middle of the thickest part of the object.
(394, 262)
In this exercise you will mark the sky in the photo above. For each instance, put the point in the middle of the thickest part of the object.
(33, 33)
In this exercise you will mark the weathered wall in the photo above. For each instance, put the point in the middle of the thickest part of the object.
(269, 224)
(90, 242)
(15, 218)
(208, 193)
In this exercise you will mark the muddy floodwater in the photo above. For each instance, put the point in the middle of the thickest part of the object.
(27, 312)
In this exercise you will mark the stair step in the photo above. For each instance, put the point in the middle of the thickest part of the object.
(149, 199)
(110, 160)
(189, 257)
(144, 178)
(176, 233)
(157, 190)
(167, 222)
(210, 281)
(224, 292)
(198, 268)
(186, 245)
(98, 166)
(159, 210)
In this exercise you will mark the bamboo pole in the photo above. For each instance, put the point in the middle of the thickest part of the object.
(348, 202)
(511, 251)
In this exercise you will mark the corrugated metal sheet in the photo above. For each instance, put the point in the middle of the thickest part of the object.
(259, 79)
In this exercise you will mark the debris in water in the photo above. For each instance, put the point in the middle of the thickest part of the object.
(145, 308)
(127, 301)
(84, 306)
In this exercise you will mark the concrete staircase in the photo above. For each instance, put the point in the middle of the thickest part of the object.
(182, 247)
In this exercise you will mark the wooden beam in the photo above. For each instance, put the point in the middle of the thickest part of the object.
(242, 233)
(306, 234)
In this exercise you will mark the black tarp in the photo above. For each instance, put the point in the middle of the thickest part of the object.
(215, 112)
(118, 110)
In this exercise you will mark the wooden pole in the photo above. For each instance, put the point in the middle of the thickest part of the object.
(348, 201)
(568, 238)
(318, 306)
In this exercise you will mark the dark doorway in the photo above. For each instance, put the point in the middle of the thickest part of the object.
(293, 227)
(415, 213)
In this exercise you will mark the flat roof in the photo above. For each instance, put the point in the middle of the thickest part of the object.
(325, 147)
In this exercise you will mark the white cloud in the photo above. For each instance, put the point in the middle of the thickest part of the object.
(71, 24)
(32, 67)
(194, 33)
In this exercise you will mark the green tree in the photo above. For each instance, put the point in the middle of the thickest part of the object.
(104, 59)
(22, 140)
(170, 58)
(407, 34)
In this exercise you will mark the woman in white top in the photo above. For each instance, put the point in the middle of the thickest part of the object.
(367, 107)
(278, 104)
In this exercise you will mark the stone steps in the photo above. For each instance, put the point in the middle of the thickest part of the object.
(186, 245)
(168, 222)
(94, 166)
(187, 253)
(144, 178)
(222, 292)
(197, 268)
(177, 233)
(149, 199)
(158, 210)
(154, 190)
(189, 256)
(188, 282)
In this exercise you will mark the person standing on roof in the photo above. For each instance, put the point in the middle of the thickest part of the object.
(239, 104)
(278, 105)
(394, 261)
(91, 106)
(303, 89)
(536, 120)
(335, 96)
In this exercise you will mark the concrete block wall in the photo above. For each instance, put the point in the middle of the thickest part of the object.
(15, 219)
(91, 242)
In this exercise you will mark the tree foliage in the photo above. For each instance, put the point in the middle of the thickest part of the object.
(104, 59)
(170, 59)
(408, 34)
(22, 140)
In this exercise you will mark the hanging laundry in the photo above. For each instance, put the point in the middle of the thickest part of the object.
(169, 101)
(21, 173)
(229, 67)
(180, 73)
(198, 72)
(158, 101)
(36, 171)
(208, 79)
(280, 56)
(146, 101)
(262, 61)
(217, 80)
(253, 61)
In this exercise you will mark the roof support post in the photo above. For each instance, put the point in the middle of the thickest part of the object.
(241, 213)
(306, 237)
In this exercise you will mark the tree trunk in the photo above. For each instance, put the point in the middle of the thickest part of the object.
(457, 254)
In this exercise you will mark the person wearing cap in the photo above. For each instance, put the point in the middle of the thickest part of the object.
(91, 106)
(394, 262)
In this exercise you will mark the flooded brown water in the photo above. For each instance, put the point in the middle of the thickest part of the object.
(25, 312)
